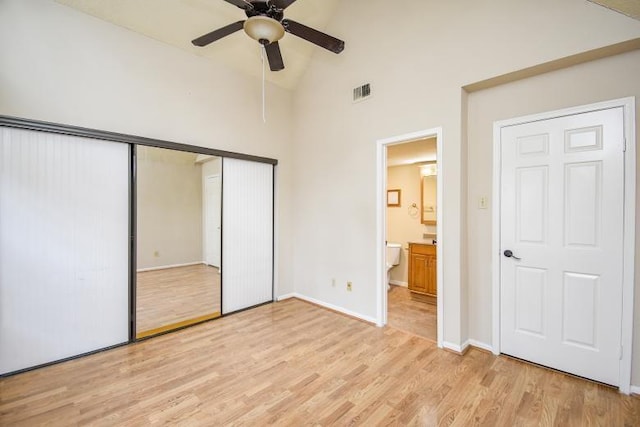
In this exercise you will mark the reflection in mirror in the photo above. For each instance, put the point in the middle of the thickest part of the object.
(428, 186)
(178, 239)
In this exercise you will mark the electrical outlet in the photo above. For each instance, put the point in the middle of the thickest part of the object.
(156, 254)
(349, 286)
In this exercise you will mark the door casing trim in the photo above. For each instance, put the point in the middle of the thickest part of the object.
(628, 106)
(381, 221)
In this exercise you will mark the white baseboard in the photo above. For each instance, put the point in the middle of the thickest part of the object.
(455, 347)
(163, 267)
(479, 344)
(635, 389)
(399, 283)
(286, 296)
(463, 347)
(330, 306)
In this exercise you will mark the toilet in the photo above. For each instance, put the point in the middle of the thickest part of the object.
(393, 258)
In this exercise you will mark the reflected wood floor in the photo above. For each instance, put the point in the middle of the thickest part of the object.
(172, 295)
(411, 313)
(291, 363)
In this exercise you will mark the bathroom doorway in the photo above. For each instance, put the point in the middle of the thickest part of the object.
(411, 286)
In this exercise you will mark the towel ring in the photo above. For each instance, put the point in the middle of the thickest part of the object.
(413, 210)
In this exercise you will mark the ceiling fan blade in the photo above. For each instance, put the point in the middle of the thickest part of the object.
(275, 56)
(314, 36)
(218, 34)
(282, 4)
(241, 4)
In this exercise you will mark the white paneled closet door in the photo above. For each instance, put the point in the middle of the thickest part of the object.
(64, 256)
(562, 206)
(247, 234)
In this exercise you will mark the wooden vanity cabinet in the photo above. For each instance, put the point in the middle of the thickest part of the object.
(422, 269)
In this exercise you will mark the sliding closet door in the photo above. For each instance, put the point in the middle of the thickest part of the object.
(247, 234)
(63, 247)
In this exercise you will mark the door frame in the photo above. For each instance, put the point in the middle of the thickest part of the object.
(206, 208)
(381, 222)
(628, 105)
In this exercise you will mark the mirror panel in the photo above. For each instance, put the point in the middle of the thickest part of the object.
(178, 218)
(428, 186)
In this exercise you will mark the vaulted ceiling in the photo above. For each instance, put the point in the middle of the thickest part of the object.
(177, 22)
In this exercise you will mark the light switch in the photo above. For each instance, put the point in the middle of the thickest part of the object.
(482, 202)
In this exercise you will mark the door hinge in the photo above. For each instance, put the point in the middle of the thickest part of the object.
(624, 145)
(621, 348)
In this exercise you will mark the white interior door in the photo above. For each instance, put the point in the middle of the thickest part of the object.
(212, 214)
(562, 204)
(247, 237)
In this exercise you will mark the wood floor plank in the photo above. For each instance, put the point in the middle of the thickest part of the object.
(410, 312)
(293, 363)
(173, 295)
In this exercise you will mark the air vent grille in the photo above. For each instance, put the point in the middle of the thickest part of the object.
(362, 92)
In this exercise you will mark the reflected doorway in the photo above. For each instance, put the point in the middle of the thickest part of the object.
(212, 220)
(177, 284)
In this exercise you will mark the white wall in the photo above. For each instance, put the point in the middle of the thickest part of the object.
(601, 80)
(169, 208)
(417, 54)
(62, 66)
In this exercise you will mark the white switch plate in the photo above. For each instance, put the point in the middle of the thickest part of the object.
(482, 202)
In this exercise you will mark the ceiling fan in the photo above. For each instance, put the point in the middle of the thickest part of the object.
(266, 23)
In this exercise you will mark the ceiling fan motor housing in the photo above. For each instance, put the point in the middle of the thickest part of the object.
(264, 9)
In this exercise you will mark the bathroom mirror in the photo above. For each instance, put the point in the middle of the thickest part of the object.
(428, 186)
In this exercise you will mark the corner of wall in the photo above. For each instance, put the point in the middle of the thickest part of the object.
(464, 203)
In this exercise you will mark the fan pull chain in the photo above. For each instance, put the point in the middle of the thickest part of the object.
(262, 52)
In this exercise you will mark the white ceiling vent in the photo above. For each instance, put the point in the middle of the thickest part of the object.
(361, 93)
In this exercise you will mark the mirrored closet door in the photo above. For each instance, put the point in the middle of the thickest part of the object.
(64, 247)
(106, 238)
(247, 238)
(178, 199)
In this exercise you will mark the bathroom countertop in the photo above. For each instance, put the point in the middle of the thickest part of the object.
(426, 242)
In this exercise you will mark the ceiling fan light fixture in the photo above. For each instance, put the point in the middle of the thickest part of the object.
(263, 28)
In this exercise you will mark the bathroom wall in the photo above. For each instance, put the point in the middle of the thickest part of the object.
(403, 222)
(169, 208)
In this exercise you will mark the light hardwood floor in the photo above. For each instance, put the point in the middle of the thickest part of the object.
(411, 313)
(293, 363)
(172, 295)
